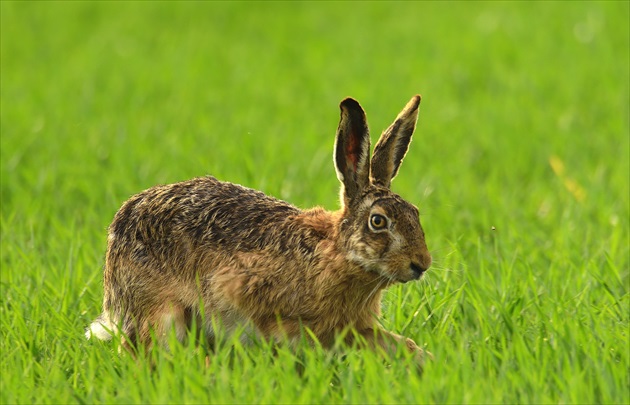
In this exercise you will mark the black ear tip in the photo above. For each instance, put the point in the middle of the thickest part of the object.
(350, 104)
(415, 101)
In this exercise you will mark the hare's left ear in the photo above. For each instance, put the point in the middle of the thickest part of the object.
(352, 150)
(393, 144)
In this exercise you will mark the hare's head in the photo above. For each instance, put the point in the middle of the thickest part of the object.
(380, 230)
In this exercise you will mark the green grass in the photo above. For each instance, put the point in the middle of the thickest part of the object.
(523, 127)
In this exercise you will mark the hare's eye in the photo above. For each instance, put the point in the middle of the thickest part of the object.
(377, 222)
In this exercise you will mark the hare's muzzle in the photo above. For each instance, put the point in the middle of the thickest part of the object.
(417, 270)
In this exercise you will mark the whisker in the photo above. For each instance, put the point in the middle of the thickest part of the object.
(379, 283)
(439, 249)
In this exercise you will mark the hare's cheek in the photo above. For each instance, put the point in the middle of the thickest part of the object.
(396, 243)
(363, 248)
(360, 257)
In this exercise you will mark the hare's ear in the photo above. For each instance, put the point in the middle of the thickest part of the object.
(352, 150)
(393, 144)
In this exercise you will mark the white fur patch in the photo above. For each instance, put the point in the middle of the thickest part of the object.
(98, 330)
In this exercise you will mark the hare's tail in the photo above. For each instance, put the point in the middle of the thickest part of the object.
(102, 328)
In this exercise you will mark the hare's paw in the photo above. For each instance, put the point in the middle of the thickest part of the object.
(419, 355)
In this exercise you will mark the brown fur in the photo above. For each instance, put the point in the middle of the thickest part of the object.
(210, 248)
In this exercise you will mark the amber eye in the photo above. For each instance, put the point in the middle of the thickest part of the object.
(378, 222)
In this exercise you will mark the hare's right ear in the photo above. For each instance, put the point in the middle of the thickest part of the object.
(352, 150)
(393, 144)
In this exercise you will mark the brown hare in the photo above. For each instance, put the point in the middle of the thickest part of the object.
(205, 249)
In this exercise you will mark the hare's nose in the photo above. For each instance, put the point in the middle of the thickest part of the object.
(417, 269)
(427, 260)
(424, 260)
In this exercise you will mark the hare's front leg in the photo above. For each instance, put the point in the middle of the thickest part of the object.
(390, 342)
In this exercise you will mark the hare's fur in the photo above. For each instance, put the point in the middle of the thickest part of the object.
(204, 250)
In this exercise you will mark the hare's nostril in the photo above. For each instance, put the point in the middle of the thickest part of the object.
(417, 269)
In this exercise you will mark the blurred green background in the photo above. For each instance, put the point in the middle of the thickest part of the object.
(249, 92)
(524, 127)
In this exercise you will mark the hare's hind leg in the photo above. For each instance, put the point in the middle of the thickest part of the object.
(157, 326)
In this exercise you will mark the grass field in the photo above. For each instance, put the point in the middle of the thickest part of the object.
(520, 166)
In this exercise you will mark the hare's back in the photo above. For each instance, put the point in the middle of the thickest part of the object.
(204, 211)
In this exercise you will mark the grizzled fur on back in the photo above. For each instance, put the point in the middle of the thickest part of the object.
(212, 214)
(205, 249)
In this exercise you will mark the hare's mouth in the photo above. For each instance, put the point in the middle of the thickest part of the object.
(403, 275)
(415, 272)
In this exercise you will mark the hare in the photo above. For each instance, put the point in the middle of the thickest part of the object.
(205, 249)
